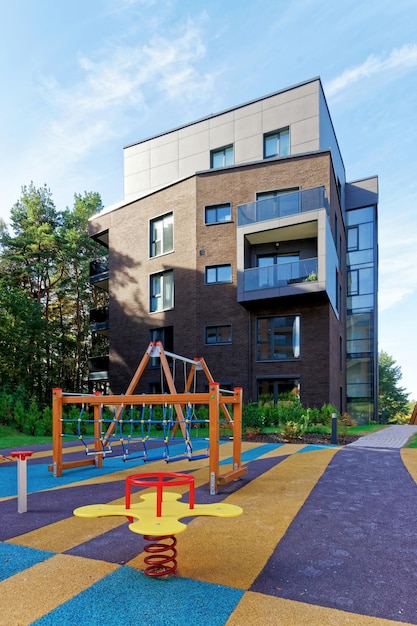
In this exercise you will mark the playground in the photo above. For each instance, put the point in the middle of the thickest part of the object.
(265, 533)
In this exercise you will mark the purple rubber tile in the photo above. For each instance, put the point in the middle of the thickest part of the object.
(353, 544)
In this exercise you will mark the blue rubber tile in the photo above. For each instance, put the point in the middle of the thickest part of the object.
(130, 597)
(254, 453)
(40, 479)
(15, 559)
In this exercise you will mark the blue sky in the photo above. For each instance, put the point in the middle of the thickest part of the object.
(81, 79)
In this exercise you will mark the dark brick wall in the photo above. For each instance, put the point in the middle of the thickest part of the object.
(197, 305)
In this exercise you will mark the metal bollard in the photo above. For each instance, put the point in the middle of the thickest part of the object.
(22, 493)
(334, 429)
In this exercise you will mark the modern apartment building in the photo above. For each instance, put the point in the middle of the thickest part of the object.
(239, 240)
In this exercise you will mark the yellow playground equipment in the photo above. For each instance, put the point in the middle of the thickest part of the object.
(133, 417)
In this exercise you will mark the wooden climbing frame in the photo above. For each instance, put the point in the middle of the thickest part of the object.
(216, 399)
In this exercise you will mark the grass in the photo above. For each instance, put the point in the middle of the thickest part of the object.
(11, 438)
(366, 429)
(412, 443)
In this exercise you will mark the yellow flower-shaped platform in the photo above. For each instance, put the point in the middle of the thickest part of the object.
(147, 523)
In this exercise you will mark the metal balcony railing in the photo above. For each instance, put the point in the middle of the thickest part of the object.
(99, 269)
(273, 276)
(282, 205)
(99, 319)
(98, 368)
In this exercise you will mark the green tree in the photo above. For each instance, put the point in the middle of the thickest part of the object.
(392, 397)
(45, 294)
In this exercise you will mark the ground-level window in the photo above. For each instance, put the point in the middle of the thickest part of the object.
(162, 235)
(221, 157)
(219, 334)
(218, 214)
(278, 388)
(161, 291)
(218, 274)
(278, 338)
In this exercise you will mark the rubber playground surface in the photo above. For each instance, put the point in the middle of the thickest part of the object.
(327, 537)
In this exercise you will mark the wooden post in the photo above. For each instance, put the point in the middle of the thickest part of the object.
(98, 446)
(237, 428)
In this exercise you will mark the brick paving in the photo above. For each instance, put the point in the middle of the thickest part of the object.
(392, 437)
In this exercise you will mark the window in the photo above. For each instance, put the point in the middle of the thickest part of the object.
(218, 213)
(222, 157)
(277, 143)
(162, 291)
(162, 235)
(218, 274)
(219, 334)
(278, 338)
(279, 388)
(165, 335)
(353, 238)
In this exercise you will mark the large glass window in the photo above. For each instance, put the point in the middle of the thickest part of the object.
(222, 157)
(277, 143)
(162, 235)
(219, 334)
(162, 291)
(278, 338)
(218, 214)
(218, 274)
(278, 388)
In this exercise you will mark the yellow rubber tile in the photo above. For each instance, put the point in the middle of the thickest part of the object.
(72, 531)
(41, 588)
(409, 458)
(66, 534)
(233, 551)
(255, 608)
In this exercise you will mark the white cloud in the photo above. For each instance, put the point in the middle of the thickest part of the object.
(116, 85)
(404, 57)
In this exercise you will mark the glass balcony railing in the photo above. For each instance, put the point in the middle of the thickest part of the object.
(273, 276)
(282, 206)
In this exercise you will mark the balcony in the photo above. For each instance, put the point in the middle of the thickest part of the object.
(283, 205)
(99, 273)
(98, 368)
(99, 320)
(283, 275)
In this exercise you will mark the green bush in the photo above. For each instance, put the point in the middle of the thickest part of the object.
(6, 408)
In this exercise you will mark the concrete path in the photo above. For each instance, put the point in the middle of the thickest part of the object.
(392, 437)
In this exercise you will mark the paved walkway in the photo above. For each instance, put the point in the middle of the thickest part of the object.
(392, 437)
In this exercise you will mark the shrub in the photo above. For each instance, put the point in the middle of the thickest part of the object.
(31, 420)
(251, 417)
(6, 408)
